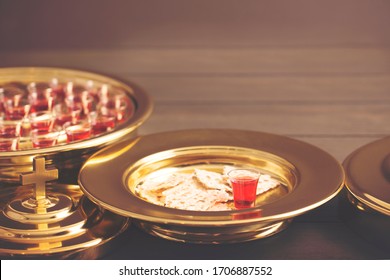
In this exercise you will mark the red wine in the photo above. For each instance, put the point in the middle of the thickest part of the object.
(41, 120)
(43, 139)
(8, 131)
(15, 113)
(61, 120)
(43, 142)
(103, 124)
(244, 191)
(6, 144)
(34, 105)
(77, 132)
(39, 105)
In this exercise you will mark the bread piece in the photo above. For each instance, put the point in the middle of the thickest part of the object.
(266, 183)
(190, 196)
(211, 180)
(152, 189)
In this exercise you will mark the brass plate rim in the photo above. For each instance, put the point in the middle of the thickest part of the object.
(369, 192)
(141, 99)
(293, 151)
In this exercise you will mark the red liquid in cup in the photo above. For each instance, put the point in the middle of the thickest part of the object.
(8, 131)
(43, 143)
(41, 121)
(15, 113)
(44, 125)
(103, 124)
(66, 114)
(5, 145)
(77, 132)
(244, 191)
(43, 139)
(58, 92)
(39, 105)
(61, 120)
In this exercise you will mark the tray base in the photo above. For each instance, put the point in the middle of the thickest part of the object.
(209, 235)
(69, 226)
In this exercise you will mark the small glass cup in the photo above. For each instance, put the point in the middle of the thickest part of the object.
(244, 183)
(64, 114)
(113, 102)
(117, 108)
(16, 108)
(43, 120)
(40, 96)
(38, 87)
(9, 134)
(44, 138)
(73, 89)
(8, 143)
(58, 90)
(82, 100)
(101, 123)
(11, 92)
(76, 131)
(92, 91)
(10, 128)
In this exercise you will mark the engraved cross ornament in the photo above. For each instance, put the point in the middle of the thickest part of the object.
(39, 177)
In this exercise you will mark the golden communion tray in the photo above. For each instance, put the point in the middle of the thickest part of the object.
(42, 218)
(57, 223)
(367, 207)
(368, 177)
(71, 156)
(309, 178)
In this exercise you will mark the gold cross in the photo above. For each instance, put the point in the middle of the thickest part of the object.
(39, 177)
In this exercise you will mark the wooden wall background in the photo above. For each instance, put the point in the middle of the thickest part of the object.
(317, 71)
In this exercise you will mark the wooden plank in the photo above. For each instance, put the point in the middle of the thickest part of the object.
(295, 119)
(211, 62)
(338, 147)
(280, 89)
(53, 24)
(276, 89)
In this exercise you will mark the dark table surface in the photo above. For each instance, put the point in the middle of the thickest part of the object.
(324, 233)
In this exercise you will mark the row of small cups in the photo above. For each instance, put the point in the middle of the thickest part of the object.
(43, 132)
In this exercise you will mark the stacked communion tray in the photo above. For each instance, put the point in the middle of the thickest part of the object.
(46, 114)
(51, 121)
(64, 115)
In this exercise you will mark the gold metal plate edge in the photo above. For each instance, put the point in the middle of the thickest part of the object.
(297, 152)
